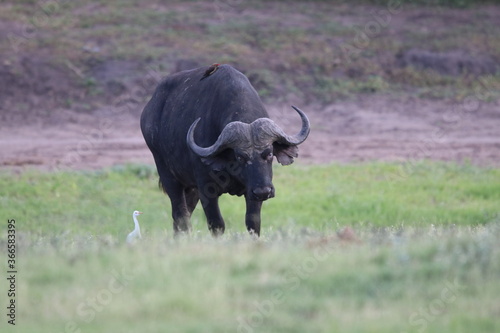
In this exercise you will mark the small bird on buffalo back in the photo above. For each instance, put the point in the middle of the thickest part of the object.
(210, 71)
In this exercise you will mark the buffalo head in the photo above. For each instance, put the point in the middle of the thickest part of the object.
(246, 151)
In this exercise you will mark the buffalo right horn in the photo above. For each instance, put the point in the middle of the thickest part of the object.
(231, 136)
(304, 131)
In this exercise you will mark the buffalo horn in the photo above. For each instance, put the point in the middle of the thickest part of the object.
(263, 130)
(230, 136)
(282, 137)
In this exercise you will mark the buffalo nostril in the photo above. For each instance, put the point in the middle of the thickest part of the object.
(263, 192)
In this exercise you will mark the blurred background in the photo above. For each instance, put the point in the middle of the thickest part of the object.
(381, 80)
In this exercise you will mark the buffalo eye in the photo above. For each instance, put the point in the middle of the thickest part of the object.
(267, 154)
(240, 158)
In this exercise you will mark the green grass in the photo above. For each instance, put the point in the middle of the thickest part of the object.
(425, 255)
(318, 197)
(443, 280)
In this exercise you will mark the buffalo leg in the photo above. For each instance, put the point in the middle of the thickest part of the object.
(180, 210)
(252, 216)
(192, 199)
(214, 218)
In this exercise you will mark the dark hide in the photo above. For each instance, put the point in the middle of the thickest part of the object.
(239, 168)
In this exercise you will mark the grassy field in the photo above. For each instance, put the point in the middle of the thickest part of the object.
(318, 197)
(424, 256)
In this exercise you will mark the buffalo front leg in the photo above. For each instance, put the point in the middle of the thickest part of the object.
(252, 216)
(212, 212)
(192, 198)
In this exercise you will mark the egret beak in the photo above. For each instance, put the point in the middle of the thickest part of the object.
(139, 213)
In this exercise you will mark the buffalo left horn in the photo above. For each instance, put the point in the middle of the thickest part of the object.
(231, 135)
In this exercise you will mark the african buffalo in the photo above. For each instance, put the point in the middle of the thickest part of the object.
(210, 134)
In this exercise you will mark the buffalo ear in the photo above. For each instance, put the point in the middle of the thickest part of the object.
(285, 153)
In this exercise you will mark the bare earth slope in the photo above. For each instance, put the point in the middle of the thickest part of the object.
(368, 128)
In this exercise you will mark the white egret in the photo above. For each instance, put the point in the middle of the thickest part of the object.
(137, 230)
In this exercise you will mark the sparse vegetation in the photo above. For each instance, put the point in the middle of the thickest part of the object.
(326, 52)
(444, 3)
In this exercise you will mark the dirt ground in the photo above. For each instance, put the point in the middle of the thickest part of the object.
(371, 127)
(48, 121)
